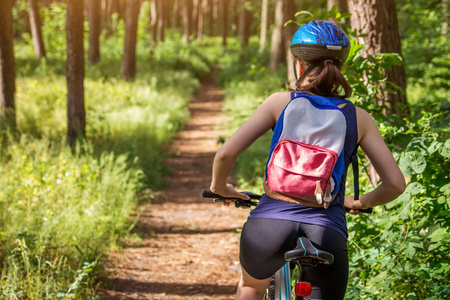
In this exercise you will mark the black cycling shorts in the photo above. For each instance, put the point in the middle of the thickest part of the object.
(264, 242)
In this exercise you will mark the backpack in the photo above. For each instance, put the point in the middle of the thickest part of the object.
(306, 155)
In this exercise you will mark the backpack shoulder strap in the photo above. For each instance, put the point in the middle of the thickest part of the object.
(355, 167)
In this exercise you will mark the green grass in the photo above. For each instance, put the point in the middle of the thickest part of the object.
(61, 207)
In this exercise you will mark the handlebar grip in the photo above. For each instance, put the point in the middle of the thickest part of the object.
(208, 194)
(364, 211)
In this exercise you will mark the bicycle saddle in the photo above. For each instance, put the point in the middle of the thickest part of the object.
(306, 253)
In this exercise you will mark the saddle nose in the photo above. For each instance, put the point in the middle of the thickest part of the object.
(305, 252)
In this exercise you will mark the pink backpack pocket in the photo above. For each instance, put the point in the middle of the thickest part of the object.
(298, 169)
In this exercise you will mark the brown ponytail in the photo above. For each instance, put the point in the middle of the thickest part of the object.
(324, 79)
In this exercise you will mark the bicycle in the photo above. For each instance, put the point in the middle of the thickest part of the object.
(305, 256)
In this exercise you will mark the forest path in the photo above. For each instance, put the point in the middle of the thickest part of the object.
(189, 247)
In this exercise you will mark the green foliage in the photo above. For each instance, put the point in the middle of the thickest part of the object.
(421, 28)
(305, 16)
(246, 69)
(54, 29)
(58, 209)
(411, 233)
(365, 75)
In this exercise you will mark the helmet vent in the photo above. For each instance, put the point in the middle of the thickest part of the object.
(334, 47)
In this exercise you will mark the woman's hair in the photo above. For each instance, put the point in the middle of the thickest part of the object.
(324, 79)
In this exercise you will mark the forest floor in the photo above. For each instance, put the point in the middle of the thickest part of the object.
(189, 247)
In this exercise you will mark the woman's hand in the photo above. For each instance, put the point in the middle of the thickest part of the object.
(355, 206)
(228, 191)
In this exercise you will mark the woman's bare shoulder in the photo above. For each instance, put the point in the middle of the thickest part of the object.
(278, 100)
(366, 123)
(279, 96)
(360, 112)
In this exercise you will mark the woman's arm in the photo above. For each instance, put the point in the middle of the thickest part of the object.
(260, 122)
(392, 180)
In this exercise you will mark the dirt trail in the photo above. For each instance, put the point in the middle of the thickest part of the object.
(190, 246)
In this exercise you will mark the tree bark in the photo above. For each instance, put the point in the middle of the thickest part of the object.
(215, 9)
(7, 67)
(245, 24)
(194, 19)
(201, 14)
(94, 20)
(289, 10)
(120, 7)
(75, 71)
(175, 13)
(378, 20)
(128, 71)
(161, 20)
(210, 17)
(340, 4)
(224, 5)
(36, 32)
(187, 20)
(263, 35)
(234, 18)
(153, 22)
(277, 47)
(106, 11)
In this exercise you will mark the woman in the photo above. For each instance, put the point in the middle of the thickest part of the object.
(320, 48)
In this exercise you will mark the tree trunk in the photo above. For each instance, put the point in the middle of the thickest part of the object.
(75, 71)
(194, 19)
(245, 24)
(224, 6)
(161, 19)
(215, 9)
(340, 4)
(7, 67)
(445, 18)
(210, 9)
(187, 20)
(120, 7)
(94, 20)
(277, 47)
(36, 32)
(234, 18)
(129, 54)
(153, 22)
(289, 10)
(106, 11)
(201, 14)
(378, 20)
(175, 13)
(263, 36)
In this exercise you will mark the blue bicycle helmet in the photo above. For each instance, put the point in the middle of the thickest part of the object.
(320, 39)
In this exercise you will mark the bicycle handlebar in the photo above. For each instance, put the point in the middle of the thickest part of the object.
(208, 194)
(364, 211)
(237, 201)
(248, 203)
